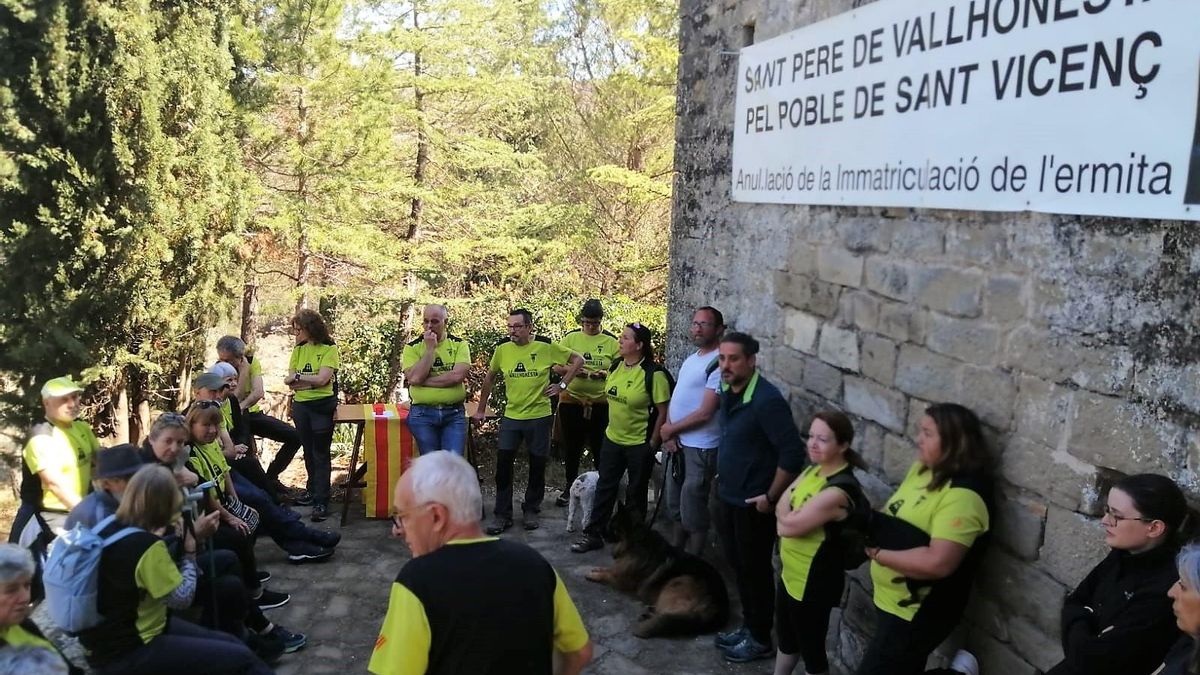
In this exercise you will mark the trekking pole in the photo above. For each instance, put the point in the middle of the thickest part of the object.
(662, 488)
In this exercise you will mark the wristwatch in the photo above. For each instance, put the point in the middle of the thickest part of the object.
(562, 386)
(296, 378)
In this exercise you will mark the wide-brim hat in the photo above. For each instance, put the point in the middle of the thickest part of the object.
(119, 461)
(60, 386)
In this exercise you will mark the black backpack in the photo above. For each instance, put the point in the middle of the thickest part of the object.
(650, 369)
(851, 538)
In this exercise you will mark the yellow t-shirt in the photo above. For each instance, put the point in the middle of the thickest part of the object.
(629, 403)
(255, 371)
(526, 370)
(955, 514)
(798, 553)
(450, 352)
(226, 414)
(16, 636)
(157, 575)
(308, 359)
(598, 352)
(210, 464)
(69, 449)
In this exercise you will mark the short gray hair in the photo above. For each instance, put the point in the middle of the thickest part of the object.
(447, 479)
(32, 660)
(16, 563)
(232, 344)
(1188, 564)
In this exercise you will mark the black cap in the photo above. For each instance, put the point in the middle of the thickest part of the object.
(119, 461)
(592, 310)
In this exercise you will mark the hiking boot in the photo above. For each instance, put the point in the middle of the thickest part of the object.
(305, 552)
(531, 521)
(319, 513)
(499, 525)
(730, 639)
(964, 662)
(291, 641)
(747, 650)
(263, 577)
(271, 599)
(562, 500)
(588, 542)
(324, 538)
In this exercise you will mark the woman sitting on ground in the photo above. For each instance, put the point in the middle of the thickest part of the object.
(138, 586)
(16, 628)
(810, 516)
(921, 590)
(1184, 657)
(1118, 621)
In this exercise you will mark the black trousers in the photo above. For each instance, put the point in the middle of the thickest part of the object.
(901, 647)
(578, 431)
(748, 538)
(263, 425)
(801, 628)
(229, 539)
(612, 463)
(314, 422)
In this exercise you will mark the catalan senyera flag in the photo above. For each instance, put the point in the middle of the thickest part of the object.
(388, 448)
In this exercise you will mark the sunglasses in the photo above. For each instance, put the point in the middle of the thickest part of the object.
(203, 405)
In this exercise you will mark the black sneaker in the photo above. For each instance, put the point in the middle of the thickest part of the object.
(319, 513)
(302, 498)
(531, 521)
(291, 641)
(263, 577)
(266, 647)
(271, 599)
(324, 538)
(730, 639)
(499, 525)
(308, 553)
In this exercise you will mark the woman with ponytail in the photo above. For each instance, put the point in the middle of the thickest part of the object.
(1119, 621)
(810, 516)
(1184, 657)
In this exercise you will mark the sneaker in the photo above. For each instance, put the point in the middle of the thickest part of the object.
(302, 499)
(263, 577)
(304, 552)
(747, 650)
(964, 662)
(531, 521)
(499, 525)
(562, 500)
(291, 641)
(730, 638)
(324, 538)
(588, 542)
(265, 647)
(319, 513)
(271, 599)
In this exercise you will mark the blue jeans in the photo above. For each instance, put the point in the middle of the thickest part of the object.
(280, 523)
(438, 428)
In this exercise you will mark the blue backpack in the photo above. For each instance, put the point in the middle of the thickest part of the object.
(72, 576)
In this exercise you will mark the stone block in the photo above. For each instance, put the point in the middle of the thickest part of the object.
(976, 243)
(1168, 384)
(858, 309)
(896, 320)
(918, 239)
(950, 290)
(877, 492)
(788, 368)
(802, 257)
(823, 379)
(836, 265)
(868, 442)
(965, 340)
(865, 235)
(891, 278)
(1117, 434)
(990, 392)
(1074, 544)
(839, 347)
(898, 455)
(930, 376)
(878, 359)
(997, 657)
(800, 330)
(1041, 410)
(1034, 644)
(1062, 357)
(1002, 299)
(1019, 524)
(1055, 474)
(916, 410)
(875, 402)
(1021, 589)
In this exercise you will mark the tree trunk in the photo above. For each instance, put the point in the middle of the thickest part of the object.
(303, 134)
(250, 308)
(120, 418)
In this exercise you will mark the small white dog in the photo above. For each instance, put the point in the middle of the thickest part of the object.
(583, 492)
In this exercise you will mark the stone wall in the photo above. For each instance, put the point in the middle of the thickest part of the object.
(1075, 339)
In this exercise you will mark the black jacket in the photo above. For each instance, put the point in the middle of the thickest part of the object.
(1119, 620)
(1179, 659)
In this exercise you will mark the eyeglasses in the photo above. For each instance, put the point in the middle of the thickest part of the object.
(1109, 513)
(589, 322)
(399, 516)
(515, 326)
(702, 324)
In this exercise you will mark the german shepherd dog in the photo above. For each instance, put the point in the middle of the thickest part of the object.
(684, 594)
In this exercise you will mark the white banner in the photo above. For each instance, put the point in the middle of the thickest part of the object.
(1064, 106)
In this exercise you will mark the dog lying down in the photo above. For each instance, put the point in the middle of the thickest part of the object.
(684, 594)
(582, 492)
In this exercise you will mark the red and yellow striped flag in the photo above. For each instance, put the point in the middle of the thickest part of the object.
(388, 447)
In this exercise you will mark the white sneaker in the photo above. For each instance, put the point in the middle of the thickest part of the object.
(965, 663)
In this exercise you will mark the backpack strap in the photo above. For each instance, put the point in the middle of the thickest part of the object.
(118, 536)
(712, 366)
(847, 483)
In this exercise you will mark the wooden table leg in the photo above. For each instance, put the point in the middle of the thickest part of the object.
(350, 479)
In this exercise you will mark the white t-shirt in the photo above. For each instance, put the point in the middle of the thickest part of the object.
(689, 394)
